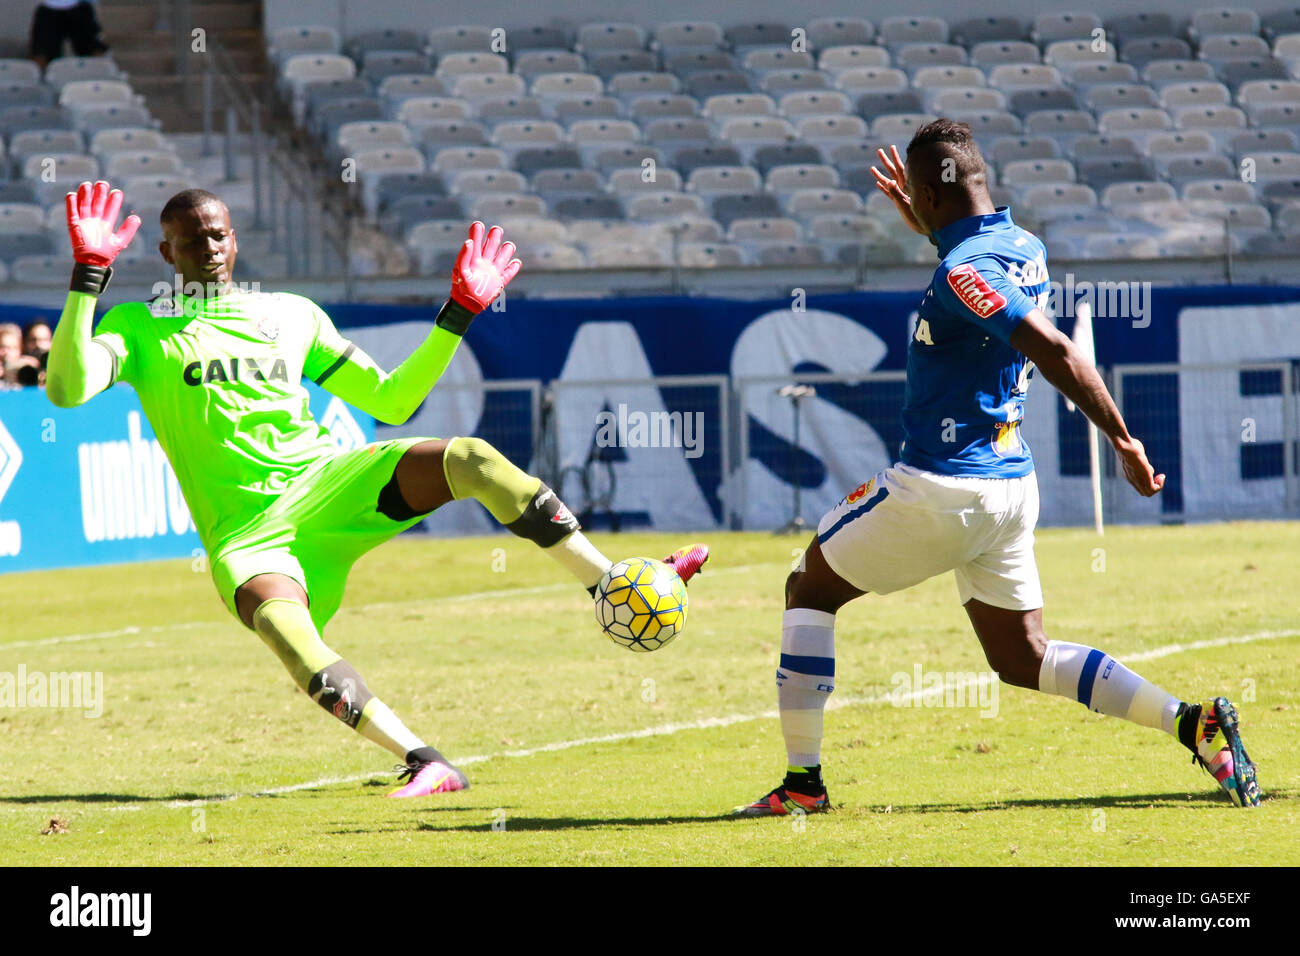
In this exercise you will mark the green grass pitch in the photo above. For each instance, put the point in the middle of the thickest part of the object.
(206, 754)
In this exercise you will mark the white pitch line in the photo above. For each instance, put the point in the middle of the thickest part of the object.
(378, 606)
(709, 723)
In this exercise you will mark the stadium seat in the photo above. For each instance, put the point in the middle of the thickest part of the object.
(806, 203)
(472, 183)
(70, 69)
(780, 82)
(291, 41)
(724, 106)
(635, 179)
(835, 60)
(14, 245)
(713, 82)
(1259, 92)
(913, 56)
(1021, 173)
(610, 36)
(556, 257)
(988, 30)
(19, 93)
(791, 254)
(1071, 54)
(996, 52)
(1248, 142)
(125, 139)
(405, 213)
(1049, 28)
(553, 184)
(1108, 96)
(710, 182)
(381, 63)
(1051, 200)
(449, 41)
(1176, 95)
(390, 187)
(533, 159)
(754, 131)
(494, 111)
(336, 113)
(745, 36)
(302, 68)
(687, 35)
(626, 255)
(872, 79)
(665, 205)
(1118, 245)
(571, 108)
(945, 100)
(21, 218)
(1223, 190)
(497, 206)
(1007, 149)
(1224, 47)
(1022, 76)
(898, 30)
(454, 65)
(814, 103)
(760, 230)
(766, 158)
(516, 134)
(690, 158)
(638, 155)
(629, 86)
(448, 160)
(608, 63)
(154, 162)
(709, 255)
(827, 32)
(534, 63)
(675, 130)
(1148, 49)
(28, 143)
(13, 70)
(1101, 172)
(1206, 23)
(477, 87)
(1163, 72)
(871, 105)
(1121, 195)
(899, 128)
(1182, 169)
(391, 39)
(1145, 24)
(783, 180)
(645, 109)
(727, 209)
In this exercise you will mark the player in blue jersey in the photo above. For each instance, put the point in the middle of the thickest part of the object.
(963, 496)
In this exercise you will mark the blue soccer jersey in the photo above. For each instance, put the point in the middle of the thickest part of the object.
(966, 385)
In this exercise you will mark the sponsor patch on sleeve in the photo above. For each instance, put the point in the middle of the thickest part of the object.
(975, 293)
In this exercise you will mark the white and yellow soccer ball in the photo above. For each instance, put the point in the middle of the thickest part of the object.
(641, 604)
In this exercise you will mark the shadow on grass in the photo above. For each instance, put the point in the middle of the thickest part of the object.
(1134, 801)
(107, 798)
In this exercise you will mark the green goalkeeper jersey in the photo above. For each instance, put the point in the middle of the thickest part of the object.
(220, 380)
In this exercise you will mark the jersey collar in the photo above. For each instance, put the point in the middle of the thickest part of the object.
(955, 233)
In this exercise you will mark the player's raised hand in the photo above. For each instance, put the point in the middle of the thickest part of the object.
(92, 218)
(1137, 469)
(483, 268)
(890, 182)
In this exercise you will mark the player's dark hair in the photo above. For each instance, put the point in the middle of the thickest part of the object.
(185, 201)
(950, 147)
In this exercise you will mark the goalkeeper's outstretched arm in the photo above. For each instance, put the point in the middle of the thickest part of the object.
(78, 368)
(483, 269)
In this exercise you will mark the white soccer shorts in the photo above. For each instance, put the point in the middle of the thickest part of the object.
(906, 525)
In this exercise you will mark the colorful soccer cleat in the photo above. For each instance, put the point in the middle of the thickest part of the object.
(430, 776)
(688, 561)
(1220, 751)
(792, 796)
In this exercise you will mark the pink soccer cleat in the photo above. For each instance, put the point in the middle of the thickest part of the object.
(687, 561)
(431, 776)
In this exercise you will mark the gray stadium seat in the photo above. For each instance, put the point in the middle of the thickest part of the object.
(1054, 27)
(727, 209)
(764, 33)
(985, 29)
(607, 63)
(689, 34)
(694, 157)
(766, 158)
(610, 36)
(1148, 49)
(1108, 96)
(1163, 72)
(712, 83)
(402, 215)
(1009, 148)
(390, 187)
(1101, 172)
(902, 29)
(390, 39)
(825, 32)
(588, 207)
(1129, 25)
(382, 63)
(871, 105)
(994, 52)
(1206, 23)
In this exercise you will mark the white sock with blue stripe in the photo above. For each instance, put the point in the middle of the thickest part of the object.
(1103, 684)
(804, 681)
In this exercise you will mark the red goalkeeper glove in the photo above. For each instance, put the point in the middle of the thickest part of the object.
(483, 269)
(92, 214)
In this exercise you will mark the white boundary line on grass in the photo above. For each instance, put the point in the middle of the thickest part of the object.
(709, 723)
(377, 606)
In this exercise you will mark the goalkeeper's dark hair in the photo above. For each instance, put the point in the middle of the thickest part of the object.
(952, 158)
(185, 201)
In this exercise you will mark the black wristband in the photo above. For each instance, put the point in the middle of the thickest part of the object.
(92, 280)
(454, 317)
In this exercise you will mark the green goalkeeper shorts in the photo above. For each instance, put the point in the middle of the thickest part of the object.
(317, 529)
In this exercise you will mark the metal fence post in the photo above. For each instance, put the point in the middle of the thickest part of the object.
(256, 134)
(232, 133)
(207, 109)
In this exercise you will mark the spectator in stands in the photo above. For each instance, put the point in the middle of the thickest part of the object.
(36, 337)
(11, 354)
(72, 20)
(36, 346)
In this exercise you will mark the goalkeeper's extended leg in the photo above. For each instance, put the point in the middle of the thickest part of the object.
(1018, 650)
(434, 472)
(269, 605)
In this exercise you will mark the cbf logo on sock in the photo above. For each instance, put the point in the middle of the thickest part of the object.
(77, 909)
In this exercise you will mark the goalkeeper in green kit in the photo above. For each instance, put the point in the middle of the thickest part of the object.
(282, 513)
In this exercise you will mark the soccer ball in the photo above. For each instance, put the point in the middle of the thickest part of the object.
(641, 604)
